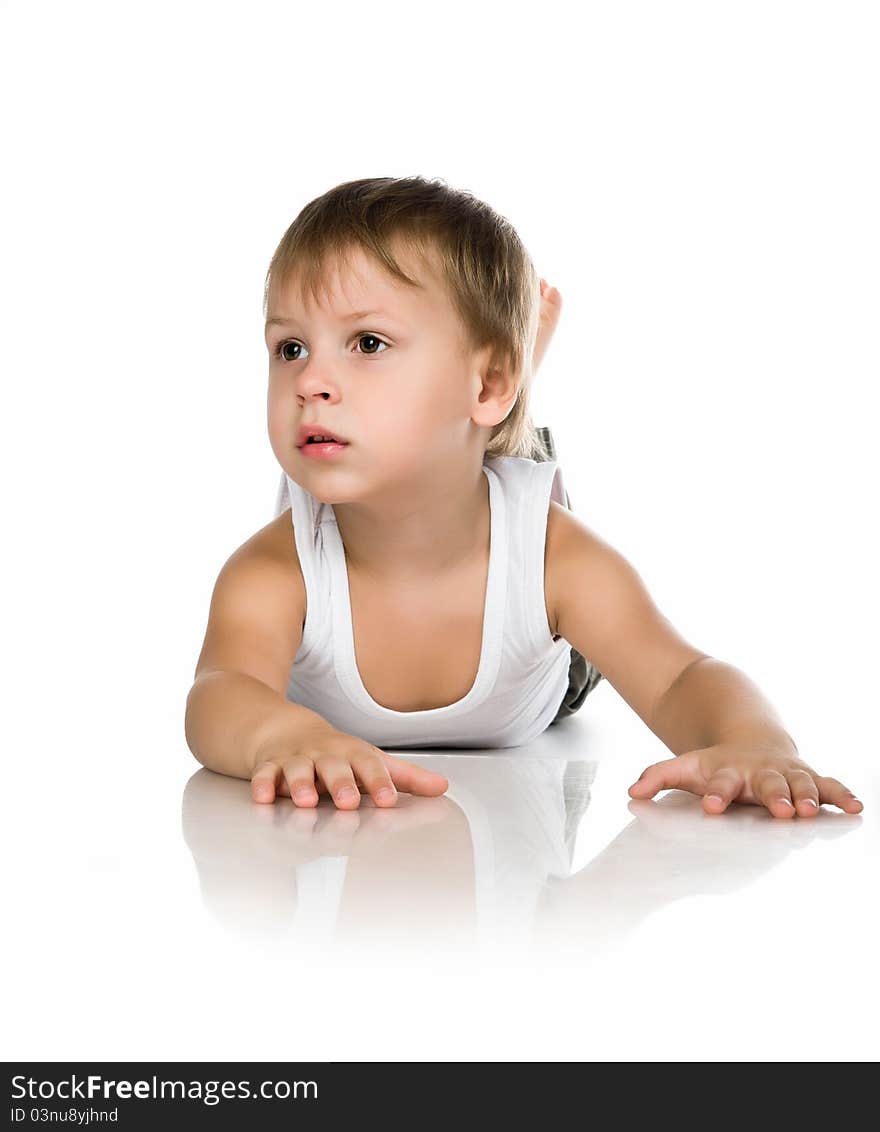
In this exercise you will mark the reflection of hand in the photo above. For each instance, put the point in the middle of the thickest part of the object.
(672, 850)
(325, 831)
(680, 819)
(248, 856)
(222, 825)
(754, 771)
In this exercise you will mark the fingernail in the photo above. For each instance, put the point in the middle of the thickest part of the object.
(304, 794)
(386, 794)
(811, 802)
(347, 793)
(714, 797)
(785, 802)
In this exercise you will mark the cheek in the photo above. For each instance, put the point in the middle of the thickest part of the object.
(403, 423)
(279, 418)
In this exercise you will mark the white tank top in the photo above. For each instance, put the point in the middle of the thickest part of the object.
(523, 673)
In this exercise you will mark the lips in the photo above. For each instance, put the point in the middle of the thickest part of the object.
(307, 431)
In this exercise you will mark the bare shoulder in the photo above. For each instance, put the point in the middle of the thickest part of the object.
(276, 539)
(567, 537)
(565, 528)
(272, 549)
(558, 527)
(601, 605)
(575, 553)
(258, 608)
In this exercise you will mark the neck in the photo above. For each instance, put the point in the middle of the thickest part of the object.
(419, 531)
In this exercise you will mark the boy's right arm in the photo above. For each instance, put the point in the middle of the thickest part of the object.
(238, 718)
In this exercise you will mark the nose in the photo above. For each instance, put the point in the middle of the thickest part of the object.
(312, 384)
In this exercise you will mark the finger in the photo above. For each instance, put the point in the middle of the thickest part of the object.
(372, 773)
(337, 775)
(339, 828)
(804, 793)
(302, 821)
(412, 779)
(836, 794)
(666, 775)
(263, 782)
(299, 774)
(723, 787)
(771, 789)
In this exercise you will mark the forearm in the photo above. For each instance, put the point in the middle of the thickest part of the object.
(712, 700)
(231, 717)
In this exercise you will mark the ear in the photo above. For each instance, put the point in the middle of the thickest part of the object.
(496, 386)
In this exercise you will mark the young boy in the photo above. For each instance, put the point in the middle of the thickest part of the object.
(424, 588)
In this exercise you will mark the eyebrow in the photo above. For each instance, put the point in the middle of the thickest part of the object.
(352, 316)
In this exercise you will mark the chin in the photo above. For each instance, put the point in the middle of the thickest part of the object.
(325, 493)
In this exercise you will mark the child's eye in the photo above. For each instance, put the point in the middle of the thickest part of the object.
(371, 338)
(279, 349)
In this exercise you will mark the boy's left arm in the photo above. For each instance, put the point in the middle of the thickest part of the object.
(729, 744)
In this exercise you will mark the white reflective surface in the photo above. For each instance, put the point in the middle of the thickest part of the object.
(533, 912)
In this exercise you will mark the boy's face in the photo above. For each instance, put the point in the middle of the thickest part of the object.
(399, 384)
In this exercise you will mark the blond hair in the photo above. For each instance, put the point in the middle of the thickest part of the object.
(489, 275)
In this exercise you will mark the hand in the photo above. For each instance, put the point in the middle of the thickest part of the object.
(760, 773)
(551, 308)
(329, 761)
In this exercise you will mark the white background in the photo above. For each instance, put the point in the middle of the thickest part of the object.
(700, 181)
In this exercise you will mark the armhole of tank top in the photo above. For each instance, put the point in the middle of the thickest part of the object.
(557, 490)
(303, 522)
(547, 481)
(558, 494)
